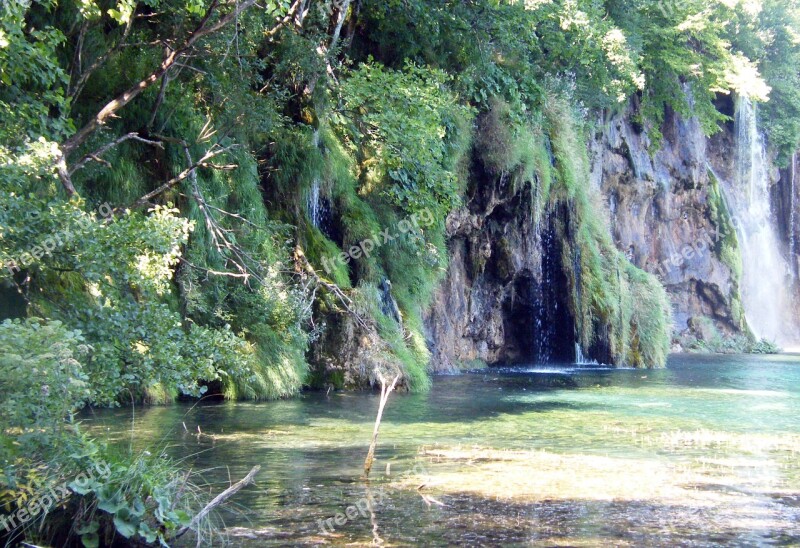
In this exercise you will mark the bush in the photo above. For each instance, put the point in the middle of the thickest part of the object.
(43, 453)
(42, 381)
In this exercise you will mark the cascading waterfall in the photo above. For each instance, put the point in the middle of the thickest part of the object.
(792, 244)
(543, 327)
(548, 328)
(313, 203)
(581, 359)
(764, 284)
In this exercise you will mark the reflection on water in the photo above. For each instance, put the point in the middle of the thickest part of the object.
(702, 453)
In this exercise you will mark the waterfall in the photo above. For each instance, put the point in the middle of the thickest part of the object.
(792, 262)
(544, 301)
(581, 359)
(764, 285)
(316, 206)
(313, 203)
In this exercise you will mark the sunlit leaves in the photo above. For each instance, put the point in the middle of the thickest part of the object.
(42, 380)
(408, 121)
(743, 78)
(31, 78)
(123, 12)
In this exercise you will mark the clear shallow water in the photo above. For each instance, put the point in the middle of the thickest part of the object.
(705, 452)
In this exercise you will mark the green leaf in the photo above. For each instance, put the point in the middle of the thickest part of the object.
(125, 528)
(90, 540)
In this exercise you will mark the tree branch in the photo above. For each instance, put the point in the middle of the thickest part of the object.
(105, 148)
(214, 272)
(304, 266)
(188, 172)
(76, 88)
(295, 14)
(203, 30)
(219, 499)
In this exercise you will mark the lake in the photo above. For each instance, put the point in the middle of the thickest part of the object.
(704, 452)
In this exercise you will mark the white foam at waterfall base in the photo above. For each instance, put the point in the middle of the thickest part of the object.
(580, 359)
(765, 275)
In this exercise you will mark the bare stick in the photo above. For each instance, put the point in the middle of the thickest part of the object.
(189, 171)
(211, 272)
(385, 391)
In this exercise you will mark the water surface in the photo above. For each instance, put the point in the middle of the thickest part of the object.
(702, 453)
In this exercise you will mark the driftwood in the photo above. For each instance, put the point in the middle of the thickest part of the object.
(219, 499)
(386, 389)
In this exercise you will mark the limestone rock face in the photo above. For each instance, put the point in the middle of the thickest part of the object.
(664, 215)
(348, 354)
(667, 214)
(504, 293)
(505, 297)
(671, 216)
(786, 205)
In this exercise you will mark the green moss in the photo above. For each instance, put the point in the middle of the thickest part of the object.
(158, 394)
(405, 348)
(323, 255)
(296, 161)
(277, 369)
(709, 339)
(611, 298)
(511, 143)
(727, 245)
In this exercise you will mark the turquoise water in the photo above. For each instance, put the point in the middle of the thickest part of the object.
(703, 453)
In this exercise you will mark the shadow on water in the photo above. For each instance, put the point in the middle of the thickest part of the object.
(404, 519)
(730, 419)
(474, 396)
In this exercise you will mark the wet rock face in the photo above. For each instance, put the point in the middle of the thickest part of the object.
(505, 292)
(499, 300)
(786, 204)
(662, 213)
(346, 354)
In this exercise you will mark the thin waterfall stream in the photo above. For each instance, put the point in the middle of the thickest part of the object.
(316, 206)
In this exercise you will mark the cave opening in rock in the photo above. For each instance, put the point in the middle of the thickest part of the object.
(539, 320)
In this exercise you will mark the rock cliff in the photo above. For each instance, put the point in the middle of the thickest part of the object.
(668, 216)
(506, 297)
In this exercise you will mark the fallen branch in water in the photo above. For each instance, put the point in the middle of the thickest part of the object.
(219, 499)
